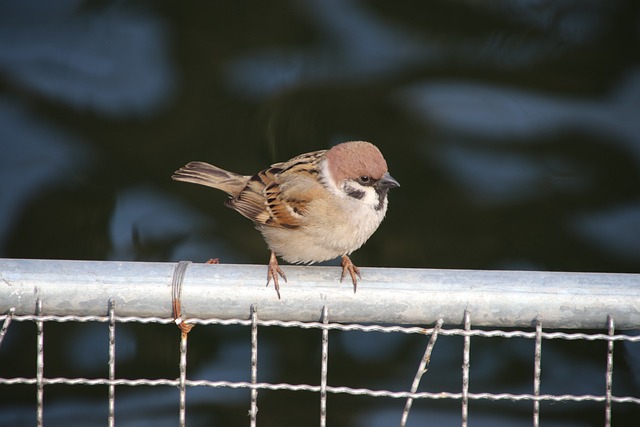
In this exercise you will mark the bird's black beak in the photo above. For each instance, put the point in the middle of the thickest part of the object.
(387, 181)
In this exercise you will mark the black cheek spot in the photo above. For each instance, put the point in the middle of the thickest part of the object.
(356, 194)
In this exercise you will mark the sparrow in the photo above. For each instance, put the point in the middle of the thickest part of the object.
(315, 207)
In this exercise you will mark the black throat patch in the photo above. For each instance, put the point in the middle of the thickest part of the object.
(382, 195)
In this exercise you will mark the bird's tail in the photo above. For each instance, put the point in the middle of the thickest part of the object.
(212, 176)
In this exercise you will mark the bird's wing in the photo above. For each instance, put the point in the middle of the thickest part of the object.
(279, 196)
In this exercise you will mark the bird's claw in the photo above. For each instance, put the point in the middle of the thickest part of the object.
(273, 272)
(354, 271)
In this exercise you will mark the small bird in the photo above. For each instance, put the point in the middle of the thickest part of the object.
(315, 207)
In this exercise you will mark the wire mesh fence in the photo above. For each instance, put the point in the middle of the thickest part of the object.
(117, 294)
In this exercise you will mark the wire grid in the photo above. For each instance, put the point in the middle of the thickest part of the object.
(464, 396)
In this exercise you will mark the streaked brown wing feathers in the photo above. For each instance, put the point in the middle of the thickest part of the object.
(278, 196)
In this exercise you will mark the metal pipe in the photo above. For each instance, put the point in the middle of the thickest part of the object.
(385, 295)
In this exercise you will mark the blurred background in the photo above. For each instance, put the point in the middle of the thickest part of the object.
(513, 127)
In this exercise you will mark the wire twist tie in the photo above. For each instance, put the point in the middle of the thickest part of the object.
(176, 295)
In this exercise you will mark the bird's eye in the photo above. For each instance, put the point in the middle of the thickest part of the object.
(364, 180)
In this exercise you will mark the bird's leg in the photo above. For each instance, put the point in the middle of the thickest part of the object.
(354, 271)
(273, 271)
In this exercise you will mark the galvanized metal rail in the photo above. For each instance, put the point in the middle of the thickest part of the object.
(385, 295)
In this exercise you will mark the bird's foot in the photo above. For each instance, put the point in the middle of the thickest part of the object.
(273, 272)
(354, 271)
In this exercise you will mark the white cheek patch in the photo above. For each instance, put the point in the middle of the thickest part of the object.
(371, 197)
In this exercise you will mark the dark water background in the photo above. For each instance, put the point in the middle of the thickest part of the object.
(513, 127)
